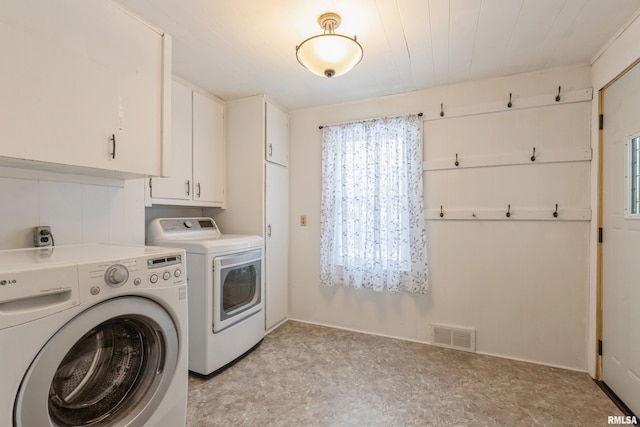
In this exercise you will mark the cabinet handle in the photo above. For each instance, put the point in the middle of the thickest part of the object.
(113, 145)
(188, 188)
(269, 230)
(198, 189)
(270, 150)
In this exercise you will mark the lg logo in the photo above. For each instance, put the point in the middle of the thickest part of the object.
(4, 282)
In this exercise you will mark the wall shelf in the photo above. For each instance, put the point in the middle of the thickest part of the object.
(517, 214)
(508, 159)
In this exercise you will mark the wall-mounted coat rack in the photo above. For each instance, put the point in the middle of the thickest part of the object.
(508, 159)
(510, 213)
(579, 95)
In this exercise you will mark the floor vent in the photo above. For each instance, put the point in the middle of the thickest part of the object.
(458, 338)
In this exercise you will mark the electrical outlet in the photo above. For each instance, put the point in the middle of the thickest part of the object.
(303, 220)
(42, 236)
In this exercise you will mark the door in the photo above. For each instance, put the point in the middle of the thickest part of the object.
(179, 183)
(208, 149)
(276, 244)
(621, 242)
(237, 286)
(78, 76)
(106, 366)
(277, 135)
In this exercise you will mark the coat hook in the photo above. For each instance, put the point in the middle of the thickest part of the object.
(441, 110)
(441, 213)
(533, 156)
(457, 163)
(508, 211)
(558, 96)
(509, 105)
(555, 214)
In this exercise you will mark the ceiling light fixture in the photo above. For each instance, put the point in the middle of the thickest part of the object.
(329, 54)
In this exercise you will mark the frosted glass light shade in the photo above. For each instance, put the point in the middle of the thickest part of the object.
(329, 55)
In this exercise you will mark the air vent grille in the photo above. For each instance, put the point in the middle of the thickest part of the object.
(453, 337)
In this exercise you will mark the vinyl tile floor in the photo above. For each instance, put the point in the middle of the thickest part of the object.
(308, 375)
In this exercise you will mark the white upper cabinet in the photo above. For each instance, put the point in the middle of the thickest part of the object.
(208, 150)
(277, 135)
(178, 185)
(197, 173)
(83, 85)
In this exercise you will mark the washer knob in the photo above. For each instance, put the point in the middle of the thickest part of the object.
(116, 275)
(188, 223)
(166, 275)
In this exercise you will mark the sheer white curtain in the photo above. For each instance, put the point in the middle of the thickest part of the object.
(372, 221)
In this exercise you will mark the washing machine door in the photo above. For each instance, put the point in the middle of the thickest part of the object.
(109, 366)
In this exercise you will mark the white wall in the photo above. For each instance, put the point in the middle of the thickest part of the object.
(77, 212)
(523, 285)
(618, 55)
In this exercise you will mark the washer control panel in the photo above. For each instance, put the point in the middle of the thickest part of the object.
(114, 276)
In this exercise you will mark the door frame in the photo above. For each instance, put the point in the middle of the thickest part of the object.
(599, 220)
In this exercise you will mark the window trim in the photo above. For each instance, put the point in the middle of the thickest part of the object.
(631, 140)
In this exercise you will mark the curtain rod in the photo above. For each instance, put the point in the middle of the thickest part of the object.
(365, 120)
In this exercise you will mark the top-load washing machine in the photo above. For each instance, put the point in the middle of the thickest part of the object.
(93, 335)
(226, 289)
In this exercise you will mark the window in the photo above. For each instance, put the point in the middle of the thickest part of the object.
(634, 175)
(372, 225)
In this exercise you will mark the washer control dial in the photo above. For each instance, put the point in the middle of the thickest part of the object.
(116, 275)
(188, 223)
(166, 275)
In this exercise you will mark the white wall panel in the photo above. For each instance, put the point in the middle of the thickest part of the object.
(76, 212)
(116, 215)
(61, 208)
(19, 213)
(95, 214)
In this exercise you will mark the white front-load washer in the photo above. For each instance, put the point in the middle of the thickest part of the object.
(226, 289)
(93, 335)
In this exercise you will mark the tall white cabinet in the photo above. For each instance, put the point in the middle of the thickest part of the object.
(258, 191)
(197, 174)
(84, 85)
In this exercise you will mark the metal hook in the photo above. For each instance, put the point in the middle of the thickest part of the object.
(558, 97)
(508, 211)
(441, 213)
(457, 163)
(509, 105)
(555, 214)
(441, 110)
(533, 156)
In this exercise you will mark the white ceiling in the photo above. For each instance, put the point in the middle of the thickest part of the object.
(236, 48)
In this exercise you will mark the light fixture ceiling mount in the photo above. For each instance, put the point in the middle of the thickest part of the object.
(329, 54)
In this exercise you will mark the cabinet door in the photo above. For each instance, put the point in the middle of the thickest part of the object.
(277, 135)
(208, 149)
(76, 75)
(276, 244)
(179, 184)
